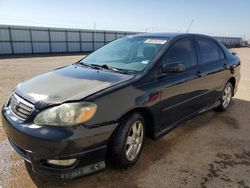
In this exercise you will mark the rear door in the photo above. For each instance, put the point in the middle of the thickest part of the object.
(212, 63)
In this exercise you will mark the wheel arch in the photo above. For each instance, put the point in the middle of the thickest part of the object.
(148, 117)
(232, 80)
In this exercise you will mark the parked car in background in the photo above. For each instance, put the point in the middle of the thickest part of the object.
(244, 43)
(77, 119)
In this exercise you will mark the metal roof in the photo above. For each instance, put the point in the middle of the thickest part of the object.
(172, 35)
(60, 29)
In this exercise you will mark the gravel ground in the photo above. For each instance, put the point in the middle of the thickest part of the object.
(211, 150)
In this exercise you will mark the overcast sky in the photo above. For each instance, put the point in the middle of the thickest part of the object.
(213, 17)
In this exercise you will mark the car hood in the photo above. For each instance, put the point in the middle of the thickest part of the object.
(73, 82)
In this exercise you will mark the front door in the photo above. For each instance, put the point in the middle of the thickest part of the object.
(181, 92)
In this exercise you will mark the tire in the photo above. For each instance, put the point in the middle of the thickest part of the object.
(125, 145)
(226, 97)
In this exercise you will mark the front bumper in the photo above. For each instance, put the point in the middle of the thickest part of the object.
(36, 144)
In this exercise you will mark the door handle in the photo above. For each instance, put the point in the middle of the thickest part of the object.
(200, 74)
(226, 66)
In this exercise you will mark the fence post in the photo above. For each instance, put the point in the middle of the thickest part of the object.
(93, 40)
(80, 38)
(104, 37)
(50, 48)
(11, 41)
(67, 45)
(31, 41)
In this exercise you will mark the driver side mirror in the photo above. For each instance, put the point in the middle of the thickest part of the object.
(173, 67)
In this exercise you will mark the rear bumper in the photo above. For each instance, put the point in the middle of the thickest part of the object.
(36, 144)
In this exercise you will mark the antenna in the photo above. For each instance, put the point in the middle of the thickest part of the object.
(190, 25)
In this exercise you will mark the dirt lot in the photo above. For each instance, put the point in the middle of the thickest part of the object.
(211, 150)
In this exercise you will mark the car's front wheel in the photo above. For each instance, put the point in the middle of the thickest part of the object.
(126, 143)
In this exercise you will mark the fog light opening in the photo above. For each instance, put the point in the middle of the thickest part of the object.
(66, 162)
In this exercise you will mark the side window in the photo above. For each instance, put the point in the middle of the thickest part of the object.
(208, 51)
(222, 55)
(182, 51)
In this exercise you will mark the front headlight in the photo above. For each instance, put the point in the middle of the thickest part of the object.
(68, 114)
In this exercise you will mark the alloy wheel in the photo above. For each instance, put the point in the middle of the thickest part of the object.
(227, 96)
(134, 140)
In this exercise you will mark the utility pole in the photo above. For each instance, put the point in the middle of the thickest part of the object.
(94, 25)
(190, 25)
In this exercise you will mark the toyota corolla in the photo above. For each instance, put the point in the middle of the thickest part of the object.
(77, 119)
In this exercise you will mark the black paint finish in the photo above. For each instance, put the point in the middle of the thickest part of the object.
(165, 98)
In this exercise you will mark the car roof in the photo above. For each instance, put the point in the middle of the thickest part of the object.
(167, 35)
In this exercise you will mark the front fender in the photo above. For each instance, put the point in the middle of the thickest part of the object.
(111, 107)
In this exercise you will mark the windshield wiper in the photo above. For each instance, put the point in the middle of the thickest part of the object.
(105, 66)
(89, 65)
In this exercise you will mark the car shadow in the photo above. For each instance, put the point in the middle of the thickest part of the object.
(153, 151)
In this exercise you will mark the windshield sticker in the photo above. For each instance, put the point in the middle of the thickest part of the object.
(145, 62)
(155, 41)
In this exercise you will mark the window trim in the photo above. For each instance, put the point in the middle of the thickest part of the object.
(222, 51)
(199, 53)
(194, 50)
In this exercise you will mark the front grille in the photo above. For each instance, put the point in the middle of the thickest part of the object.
(20, 107)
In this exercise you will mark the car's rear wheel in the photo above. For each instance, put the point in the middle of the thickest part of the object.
(226, 97)
(126, 143)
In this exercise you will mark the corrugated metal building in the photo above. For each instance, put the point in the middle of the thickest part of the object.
(230, 42)
(35, 40)
(29, 40)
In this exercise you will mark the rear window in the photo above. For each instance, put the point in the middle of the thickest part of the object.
(208, 50)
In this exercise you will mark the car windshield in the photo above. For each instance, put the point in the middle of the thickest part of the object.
(127, 53)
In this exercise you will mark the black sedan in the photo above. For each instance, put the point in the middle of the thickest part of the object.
(77, 119)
